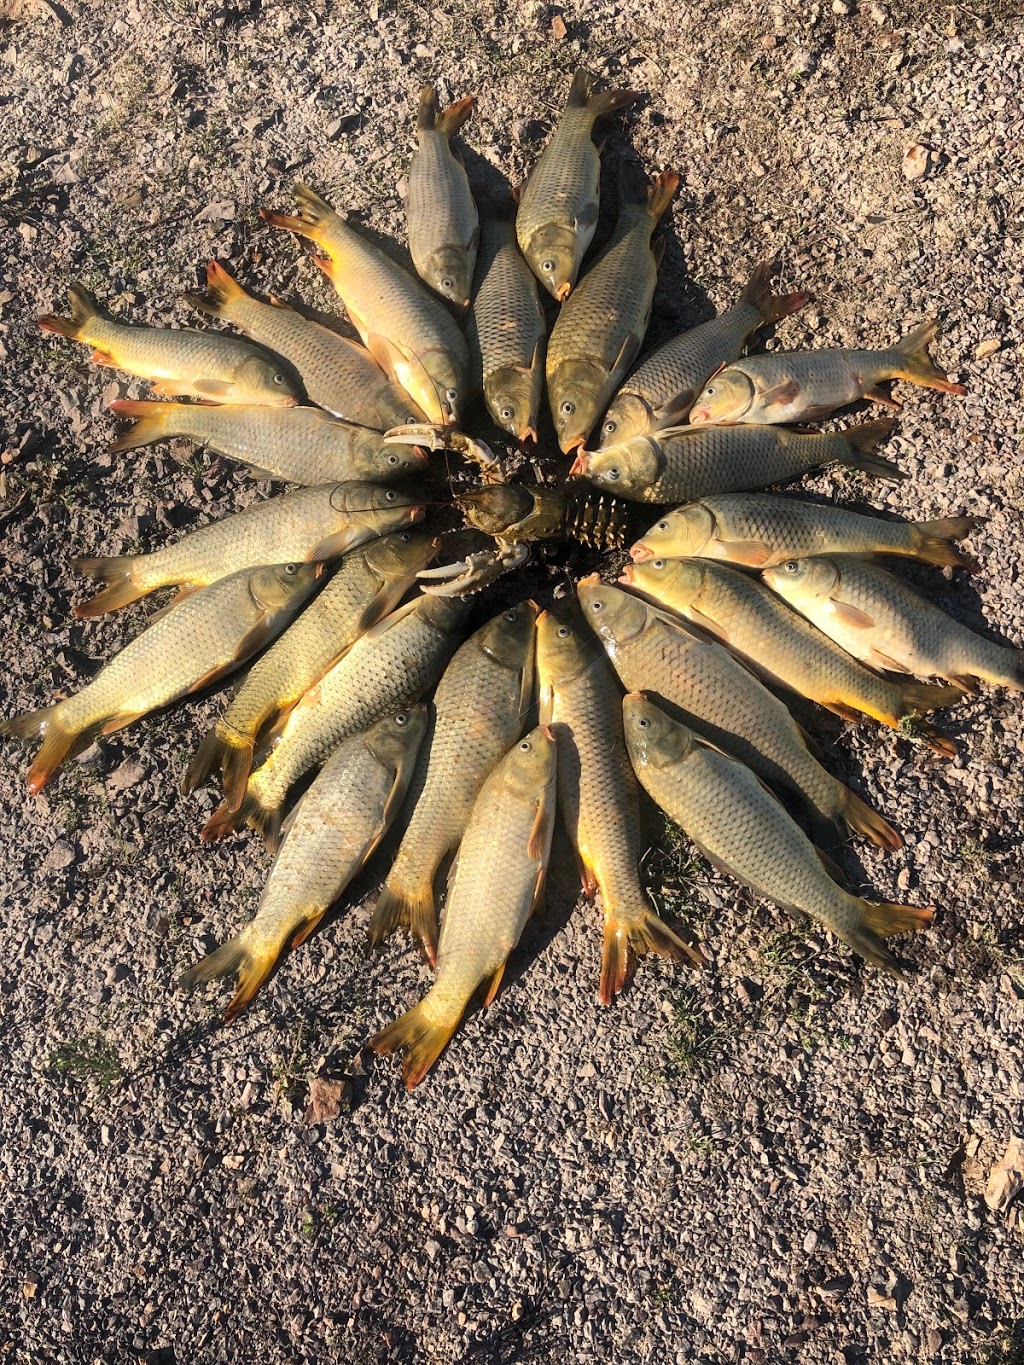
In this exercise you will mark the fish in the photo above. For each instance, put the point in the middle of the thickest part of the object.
(409, 332)
(507, 331)
(292, 445)
(185, 647)
(662, 389)
(558, 205)
(601, 326)
(725, 703)
(881, 620)
(741, 828)
(368, 585)
(800, 386)
(337, 373)
(387, 669)
(496, 884)
(179, 363)
(684, 463)
(480, 707)
(312, 523)
(757, 530)
(598, 796)
(444, 228)
(331, 835)
(782, 647)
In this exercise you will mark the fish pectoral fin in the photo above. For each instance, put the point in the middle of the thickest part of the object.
(587, 219)
(852, 616)
(880, 659)
(780, 395)
(658, 251)
(674, 412)
(212, 388)
(304, 930)
(628, 352)
(875, 395)
(540, 834)
(831, 867)
(374, 610)
(212, 676)
(840, 708)
(101, 357)
(588, 876)
(404, 367)
(399, 615)
(260, 634)
(706, 623)
(753, 553)
(173, 388)
(495, 982)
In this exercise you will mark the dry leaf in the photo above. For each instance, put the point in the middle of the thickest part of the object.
(917, 161)
(558, 28)
(986, 348)
(324, 1100)
(1006, 1179)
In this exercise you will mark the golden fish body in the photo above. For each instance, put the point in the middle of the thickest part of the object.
(683, 463)
(479, 708)
(661, 390)
(723, 701)
(780, 645)
(369, 584)
(387, 669)
(559, 203)
(312, 523)
(598, 796)
(601, 326)
(506, 332)
(444, 229)
(333, 831)
(760, 529)
(497, 882)
(741, 827)
(799, 386)
(337, 373)
(179, 363)
(410, 334)
(881, 620)
(294, 445)
(185, 647)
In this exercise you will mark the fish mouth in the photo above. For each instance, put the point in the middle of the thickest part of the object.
(626, 576)
(528, 434)
(420, 454)
(289, 402)
(639, 553)
(417, 512)
(574, 443)
(563, 291)
(580, 465)
(698, 416)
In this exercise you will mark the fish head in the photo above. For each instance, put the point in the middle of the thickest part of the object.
(629, 416)
(280, 586)
(804, 579)
(613, 615)
(678, 534)
(652, 738)
(513, 398)
(725, 398)
(554, 256)
(508, 637)
(529, 766)
(268, 381)
(565, 647)
(628, 469)
(576, 392)
(376, 508)
(678, 579)
(395, 739)
(496, 508)
(401, 555)
(449, 272)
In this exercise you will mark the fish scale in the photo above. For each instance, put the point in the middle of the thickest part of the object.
(684, 363)
(564, 181)
(440, 208)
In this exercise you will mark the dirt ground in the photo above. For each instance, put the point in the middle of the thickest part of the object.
(782, 1158)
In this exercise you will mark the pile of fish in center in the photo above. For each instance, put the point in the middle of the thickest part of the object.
(368, 675)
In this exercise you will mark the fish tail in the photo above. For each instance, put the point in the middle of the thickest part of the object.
(84, 311)
(914, 363)
(58, 742)
(928, 696)
(880, 921)
(661, 194)
(151, 422)
(582, 94)
(252, 811)
(410, 908)
(223, 750)
(449, 121)
(862, 442)
(931, 541)
(223, 293)
(312, 218)
(419, 1037)
(758, 293)
(859, 817)
(626, 940)
(115, 573)
(251, 962)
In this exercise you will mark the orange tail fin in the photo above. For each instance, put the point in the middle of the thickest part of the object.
(414, 910)
(862, 442)
(881, 920)
(420, 1039)
(915, 364)
(758, 293)
(115, 573)
(625, 941)
(226, 751)
(860, 818)
(84, 310)
(250, 963)
(58, 743)
(932, 541)
(154, 422)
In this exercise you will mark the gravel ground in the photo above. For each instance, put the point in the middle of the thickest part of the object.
(782, 1158)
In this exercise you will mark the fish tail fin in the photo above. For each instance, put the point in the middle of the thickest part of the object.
(249, 960)
(58, 742)
(448, 121)
(150, 422)
(115, 573)
(661, 194)
(582, 94)
(758, 293)
(929, 696)
(312, 218)
(223, 750)
(412, 908)
(222, 292)
(84, 311)
(419, 1037)
(914, 363)
(880, 921)
(860, 818)
(932, 541)
(626, 940)
(251, 811)
(862, 442)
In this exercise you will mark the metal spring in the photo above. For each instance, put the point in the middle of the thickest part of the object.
(597, 519)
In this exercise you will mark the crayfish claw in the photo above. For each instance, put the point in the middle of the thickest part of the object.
(436, 437)
(474, 573)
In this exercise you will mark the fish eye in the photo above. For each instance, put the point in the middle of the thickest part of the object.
(401, 718)
(507, 413)
(278, 378)
(511, 616)
(609, 427)
(548, 267)
(709, 391)
(662, 525)
(613, 473)
(390, 495)
(291, 570)
(597, 604)
(657, 563)
(644, 724)
(568, 407)
(405, 537)
(525, 747)
(563, 631)
(451, 394)
(447, 282)
(791, 566)
(392, 459)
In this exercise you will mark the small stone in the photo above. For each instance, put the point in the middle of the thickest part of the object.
(877, 1299)
(918, 161)
(60, 856)
(841, 8)
(558, 28)
(986, 348)
(1006, 1179)
(324, 1100)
